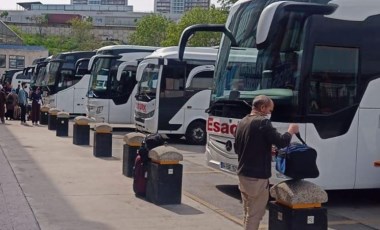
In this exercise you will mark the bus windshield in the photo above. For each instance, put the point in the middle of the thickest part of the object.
(148, 82)
(99, 77)
(243, 72)
(103, 81)
(52, 72)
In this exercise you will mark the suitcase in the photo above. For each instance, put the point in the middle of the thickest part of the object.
(140, 168)
(140, 175)
(17, 112)
(297, 161)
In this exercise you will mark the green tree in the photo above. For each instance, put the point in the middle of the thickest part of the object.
(226, 4)
(197, 16)
(151, 30)
(4, 14)
(41, 21)
(81, 35)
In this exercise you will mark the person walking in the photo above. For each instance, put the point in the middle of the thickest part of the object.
(11, 104)
(254, 138)
(36, 105)
(23, 102)
(2, 104)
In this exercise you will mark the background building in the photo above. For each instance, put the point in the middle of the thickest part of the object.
(13, 54)
(179, 6)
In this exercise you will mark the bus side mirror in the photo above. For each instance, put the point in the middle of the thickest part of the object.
(191, 30)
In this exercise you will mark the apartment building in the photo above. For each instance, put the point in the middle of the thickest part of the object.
(179, 6)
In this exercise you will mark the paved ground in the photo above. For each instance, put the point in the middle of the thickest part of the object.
(49, 183)
(46, 182)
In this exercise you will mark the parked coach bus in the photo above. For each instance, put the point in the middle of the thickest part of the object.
(172, 95)
(319, 63)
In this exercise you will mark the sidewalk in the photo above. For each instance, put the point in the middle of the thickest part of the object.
(48, 183)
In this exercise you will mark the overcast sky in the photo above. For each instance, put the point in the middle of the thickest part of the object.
(138, 5)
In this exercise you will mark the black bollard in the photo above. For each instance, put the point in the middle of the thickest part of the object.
(52, 119)
(62, 124)
(164, 185)
(81, 131)
(103, 140)
(44, 115)
(297, 206)
(132, 144)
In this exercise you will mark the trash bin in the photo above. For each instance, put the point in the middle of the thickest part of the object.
(103, 140)
(52, 118)
(297, 206)
(164, 185)
(62, 124)
(81, 130)
(44, 115)
(132, 144)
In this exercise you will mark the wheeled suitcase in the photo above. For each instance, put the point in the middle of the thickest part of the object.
(17, 112)
(140, 174)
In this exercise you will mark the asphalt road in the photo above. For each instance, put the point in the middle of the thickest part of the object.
(347, 209)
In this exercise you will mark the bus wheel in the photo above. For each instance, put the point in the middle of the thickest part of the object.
(196, 133)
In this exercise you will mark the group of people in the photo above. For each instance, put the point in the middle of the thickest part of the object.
(14, 103)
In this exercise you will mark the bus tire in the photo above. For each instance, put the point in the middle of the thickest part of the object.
(196, 133)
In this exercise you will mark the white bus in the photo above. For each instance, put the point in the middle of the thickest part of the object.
(67, 88)
(319, 62)
(62, 88)
(112, 87)
(172, 95)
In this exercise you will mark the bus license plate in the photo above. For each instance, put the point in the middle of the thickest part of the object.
(228, 167)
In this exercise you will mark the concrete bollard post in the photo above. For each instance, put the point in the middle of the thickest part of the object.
(132, 144)
(103, 140)
(52, 118)
(81, 130)
(44, 115)
(62, 124)
(164, 185)
(297, 206)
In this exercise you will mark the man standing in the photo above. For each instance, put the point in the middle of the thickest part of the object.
(23, 102)
(255, 136)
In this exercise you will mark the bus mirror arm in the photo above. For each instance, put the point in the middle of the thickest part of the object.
(191, 30)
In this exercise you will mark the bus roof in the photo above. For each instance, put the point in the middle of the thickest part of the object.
(197, 53)
(133, 47)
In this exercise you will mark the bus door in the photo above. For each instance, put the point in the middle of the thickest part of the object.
(123, 85)
(81, 88)
(171, 96)
(198, 92)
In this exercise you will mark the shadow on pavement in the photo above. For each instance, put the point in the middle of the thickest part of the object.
(230, 190)
(182, 209)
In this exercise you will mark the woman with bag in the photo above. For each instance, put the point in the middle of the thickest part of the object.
(36, 105)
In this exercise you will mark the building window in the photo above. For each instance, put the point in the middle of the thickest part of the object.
(16, 62)
(2, 60)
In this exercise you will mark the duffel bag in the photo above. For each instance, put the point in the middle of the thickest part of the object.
(297, 161)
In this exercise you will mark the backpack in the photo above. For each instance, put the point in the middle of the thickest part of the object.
(10, 99)
(153, 140)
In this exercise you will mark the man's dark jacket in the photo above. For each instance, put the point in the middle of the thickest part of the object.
(255, 136)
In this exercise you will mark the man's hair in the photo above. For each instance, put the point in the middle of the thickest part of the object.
(261, 100)
(23, 83)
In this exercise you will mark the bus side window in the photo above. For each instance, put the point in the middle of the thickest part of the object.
(202, 80)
